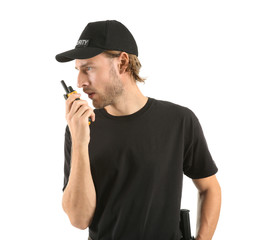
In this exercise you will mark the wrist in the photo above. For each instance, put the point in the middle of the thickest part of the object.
(79, 145)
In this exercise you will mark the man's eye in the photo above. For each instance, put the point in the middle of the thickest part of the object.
(85, 70)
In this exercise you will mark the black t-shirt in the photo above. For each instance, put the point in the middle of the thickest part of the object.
(137, 163)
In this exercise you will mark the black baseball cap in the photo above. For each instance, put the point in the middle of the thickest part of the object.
(98, 37)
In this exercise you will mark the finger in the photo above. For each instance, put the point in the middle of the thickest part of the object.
(70, 101)
(81, 110)
(88, 113)
(76, 105)
(93, 116)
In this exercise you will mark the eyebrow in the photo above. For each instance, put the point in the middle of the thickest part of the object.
(84, 65)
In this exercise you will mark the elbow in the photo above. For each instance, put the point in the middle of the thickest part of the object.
(82, 225)
(80, 217)
(80, 221)
(76, 218)
(214, 194)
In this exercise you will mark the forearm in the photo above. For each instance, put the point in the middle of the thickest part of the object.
(79, 198)
(209, 203)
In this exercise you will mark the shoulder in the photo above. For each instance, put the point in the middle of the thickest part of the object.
(175, 109)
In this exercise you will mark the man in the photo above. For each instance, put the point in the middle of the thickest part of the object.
(124, 171)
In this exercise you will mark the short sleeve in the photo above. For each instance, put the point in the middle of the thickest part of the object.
(197, 162)
(67, 156)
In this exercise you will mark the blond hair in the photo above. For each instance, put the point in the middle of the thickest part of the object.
(134, 64)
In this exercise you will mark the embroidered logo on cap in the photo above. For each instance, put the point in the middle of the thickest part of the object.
(82, 43)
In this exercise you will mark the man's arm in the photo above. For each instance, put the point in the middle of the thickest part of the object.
(209, 203)
(79, 197)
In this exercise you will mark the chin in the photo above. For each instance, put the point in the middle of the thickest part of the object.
(97, 104)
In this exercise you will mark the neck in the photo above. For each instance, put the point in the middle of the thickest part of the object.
(131, 101)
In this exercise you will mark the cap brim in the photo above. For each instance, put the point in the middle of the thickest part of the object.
(78, 53)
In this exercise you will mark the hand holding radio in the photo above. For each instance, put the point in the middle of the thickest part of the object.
(78, 116)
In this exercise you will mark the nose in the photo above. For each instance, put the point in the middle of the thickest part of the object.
(82, 80)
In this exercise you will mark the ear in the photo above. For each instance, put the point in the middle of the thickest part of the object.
(123, 62)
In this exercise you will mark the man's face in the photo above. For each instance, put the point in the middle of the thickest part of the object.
(100, 76)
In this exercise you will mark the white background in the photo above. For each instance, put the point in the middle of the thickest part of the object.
(199, 54)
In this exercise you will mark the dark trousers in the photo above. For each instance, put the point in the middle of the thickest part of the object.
(89, 238)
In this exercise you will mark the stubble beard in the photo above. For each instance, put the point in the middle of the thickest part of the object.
(112, 91)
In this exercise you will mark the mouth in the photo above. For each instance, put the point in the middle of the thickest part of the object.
(91, 95)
